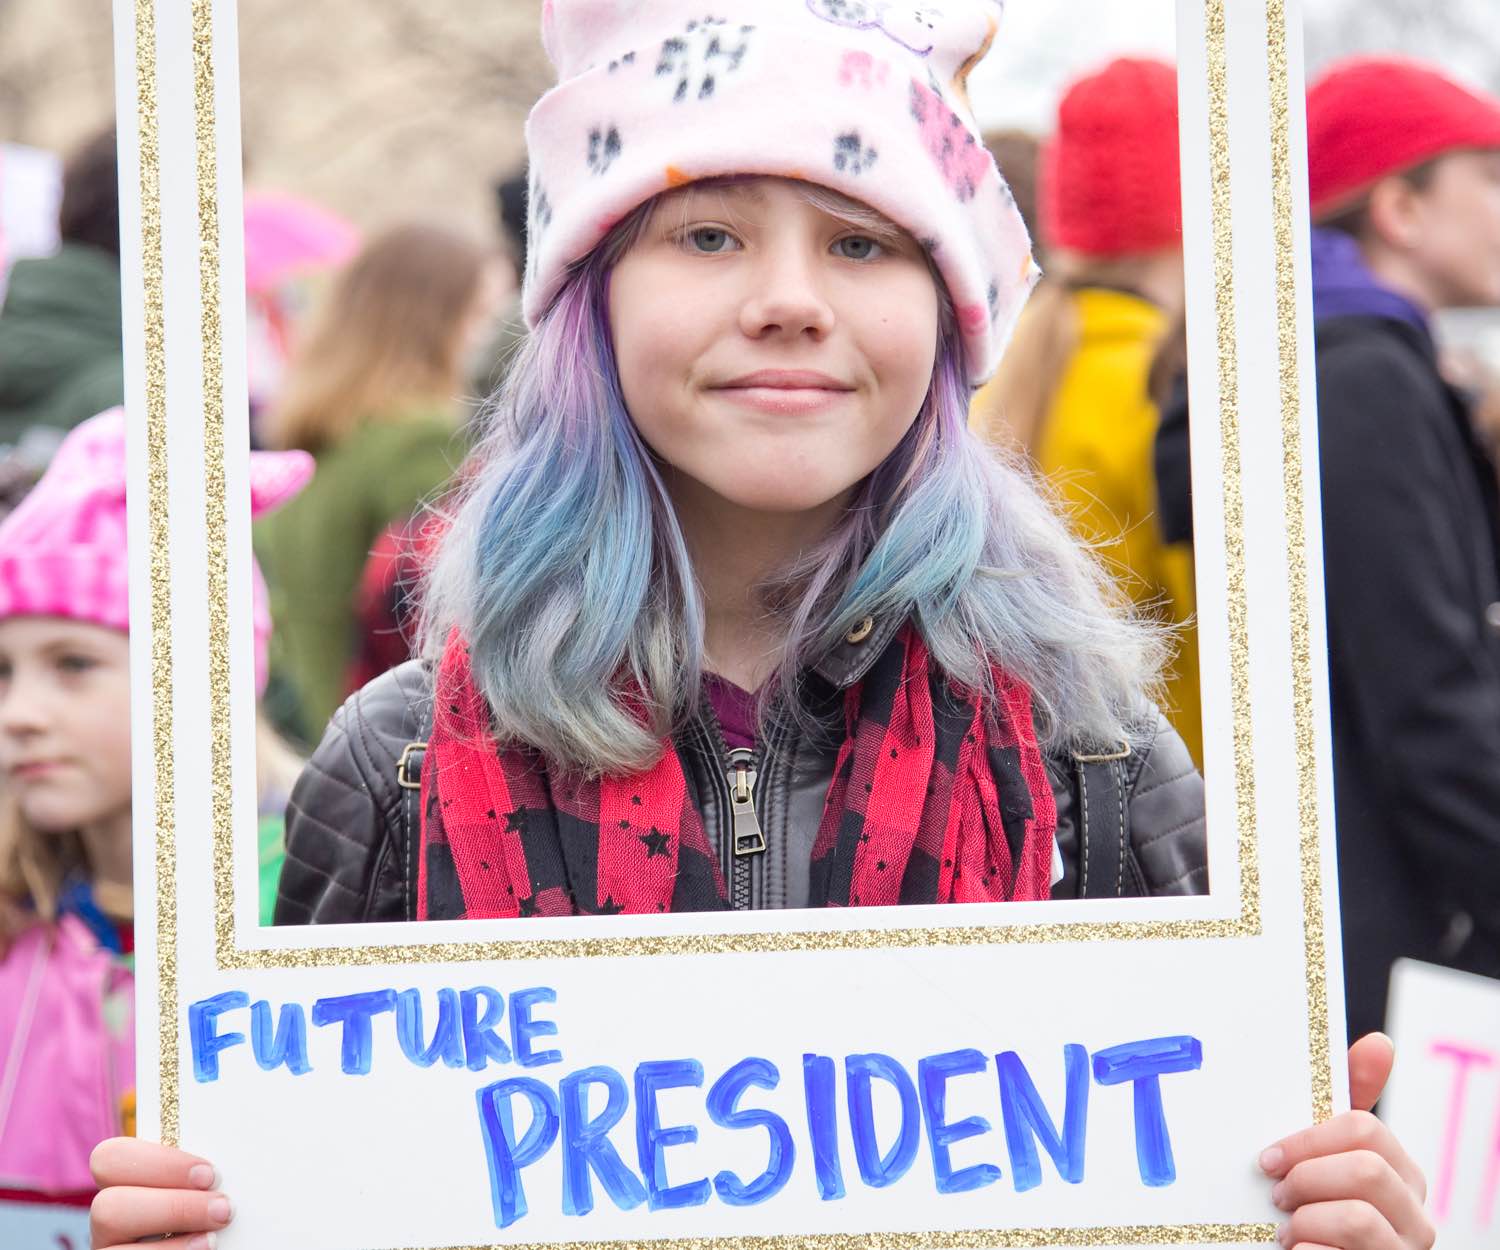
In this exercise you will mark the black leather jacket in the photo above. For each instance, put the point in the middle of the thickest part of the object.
(1125, 827)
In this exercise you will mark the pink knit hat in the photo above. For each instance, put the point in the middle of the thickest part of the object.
(867, 97)
(62, 551)
(1111, 180)
(1372, 116)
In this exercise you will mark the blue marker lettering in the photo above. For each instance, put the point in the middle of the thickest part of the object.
(481, 1042)
(823, 1124)
(876, 1169)
(933, 1074)
(353, 1011)
(586, 1144)
(652, 1139)
(723, 1111)
(504, 1154)
(1145, 1063)
(446, 1043)
(288, 1045)
(1026, 1118)
(523, 1028)
(207, 1041)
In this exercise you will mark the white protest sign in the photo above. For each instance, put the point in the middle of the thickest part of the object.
(1059, 1073)
(1443, 1101)
(42, 1226)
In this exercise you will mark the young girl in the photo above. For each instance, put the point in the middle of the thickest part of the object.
(375, 393)
(735, 612)
(66, 1035)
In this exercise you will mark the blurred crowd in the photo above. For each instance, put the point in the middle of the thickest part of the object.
(370, 357)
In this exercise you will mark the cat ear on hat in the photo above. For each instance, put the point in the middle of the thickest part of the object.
(93, 454)
(276, 476)
(576, 32)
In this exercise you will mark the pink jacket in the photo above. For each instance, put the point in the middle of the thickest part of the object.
(67, 1055)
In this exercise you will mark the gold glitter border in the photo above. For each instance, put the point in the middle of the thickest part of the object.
(970, 1239)
(1247, 924)
(157, 508)
(234, 957)
(1238, 599)
(216, 528)
(1309, 849)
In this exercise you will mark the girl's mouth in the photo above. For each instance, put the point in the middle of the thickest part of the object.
(784, 400)
(785, 392)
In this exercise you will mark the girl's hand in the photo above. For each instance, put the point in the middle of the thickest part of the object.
(1348, 1183)
(146, 1190)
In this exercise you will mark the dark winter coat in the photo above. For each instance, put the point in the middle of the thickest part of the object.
(353, 824)
(1413, 600)
(1413, 606)
(61, 352)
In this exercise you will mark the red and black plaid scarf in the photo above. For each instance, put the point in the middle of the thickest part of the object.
(932, 801)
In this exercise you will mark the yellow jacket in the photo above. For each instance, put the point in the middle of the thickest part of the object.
(1096, 446)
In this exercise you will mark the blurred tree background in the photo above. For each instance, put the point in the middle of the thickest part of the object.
(385, 109)
(1463, 36)
(380, 109)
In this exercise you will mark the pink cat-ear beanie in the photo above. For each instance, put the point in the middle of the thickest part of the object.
(866, 97)
(63, 550)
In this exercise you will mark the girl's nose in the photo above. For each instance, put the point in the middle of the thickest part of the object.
(22, 707)
(787, 299)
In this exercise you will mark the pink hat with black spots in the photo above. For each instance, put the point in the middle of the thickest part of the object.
(62, 550)
(866, 97)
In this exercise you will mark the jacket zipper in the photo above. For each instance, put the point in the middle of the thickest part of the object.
(746, 837)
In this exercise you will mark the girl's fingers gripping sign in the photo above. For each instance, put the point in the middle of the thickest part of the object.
(1349, 1185)
(148, 1190)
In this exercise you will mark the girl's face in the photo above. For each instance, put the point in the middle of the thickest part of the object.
(770, 352)
(65, 721)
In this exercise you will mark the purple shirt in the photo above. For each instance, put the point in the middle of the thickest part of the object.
(735, 709)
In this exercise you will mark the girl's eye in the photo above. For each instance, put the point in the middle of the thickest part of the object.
(76, 663)
(710, 240)
(857, 247)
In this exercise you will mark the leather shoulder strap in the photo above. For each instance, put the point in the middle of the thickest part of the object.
(409, 778)
(1106, 864)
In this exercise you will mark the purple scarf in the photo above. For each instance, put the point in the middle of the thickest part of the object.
(1343, 285)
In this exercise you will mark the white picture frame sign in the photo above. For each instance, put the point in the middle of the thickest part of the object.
(1223, 1014)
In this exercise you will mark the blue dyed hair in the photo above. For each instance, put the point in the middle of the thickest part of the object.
(566, 570)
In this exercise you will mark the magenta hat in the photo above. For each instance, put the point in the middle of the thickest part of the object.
(285, 236)
(867, 97)
(62, 551)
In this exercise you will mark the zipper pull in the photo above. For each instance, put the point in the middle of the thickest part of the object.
(748, 838)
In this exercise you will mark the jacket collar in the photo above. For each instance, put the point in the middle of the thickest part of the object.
(850, 661)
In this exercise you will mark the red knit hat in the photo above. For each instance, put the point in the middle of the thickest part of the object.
(1370, 117)
(1111, 180)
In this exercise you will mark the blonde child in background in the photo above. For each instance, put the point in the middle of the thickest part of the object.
(67, 1070)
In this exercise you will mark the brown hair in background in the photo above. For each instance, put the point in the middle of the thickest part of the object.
(33, 867)
(1353, 218)
(1018, 153)
(1045, 340)
(1044, 337)
(1170, 364)
(388, 337)
(90, 208)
